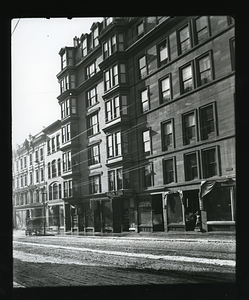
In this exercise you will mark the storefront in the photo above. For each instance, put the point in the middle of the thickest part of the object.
(218, 204)
(56, 217)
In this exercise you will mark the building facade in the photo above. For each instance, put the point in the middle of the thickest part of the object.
(29, 182)
(38, 185)
(147, 127)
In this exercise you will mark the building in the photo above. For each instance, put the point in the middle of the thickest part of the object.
(37, 183)
(29, 182)
(148, 125)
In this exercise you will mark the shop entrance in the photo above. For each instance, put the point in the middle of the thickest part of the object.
(120, 215)
(157, 212)
(191, 204)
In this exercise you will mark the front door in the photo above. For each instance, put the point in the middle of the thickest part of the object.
(157, 212)
(191, 204)
(116, 204)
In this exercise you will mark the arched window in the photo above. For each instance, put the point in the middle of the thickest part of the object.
(59, 166)
(50, 192)
(54, 168)
(55, 191)
(49, 171)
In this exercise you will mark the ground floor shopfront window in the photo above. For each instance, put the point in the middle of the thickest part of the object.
(56, 216)
(220, 204)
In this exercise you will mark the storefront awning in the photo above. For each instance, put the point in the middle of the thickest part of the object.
(208, 185)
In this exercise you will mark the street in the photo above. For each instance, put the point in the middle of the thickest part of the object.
(55, 261)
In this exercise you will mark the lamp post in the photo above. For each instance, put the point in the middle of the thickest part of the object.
(44, 210)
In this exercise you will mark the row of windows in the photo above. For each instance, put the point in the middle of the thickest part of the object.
(54, 192)
(185, 40)
(53, 144)
(23, 179)
(54, 168)
(117, 179)
(192, 74)
(23, 160)
(204, 118)
(197, 164)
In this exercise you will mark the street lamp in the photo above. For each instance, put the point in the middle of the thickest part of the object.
(44, 210)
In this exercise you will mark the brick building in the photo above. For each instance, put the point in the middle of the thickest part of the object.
(148, 125)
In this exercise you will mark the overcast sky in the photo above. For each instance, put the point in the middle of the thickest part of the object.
(35, 62)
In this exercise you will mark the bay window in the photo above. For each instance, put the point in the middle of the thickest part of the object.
(116, 179)
(94, 184)
(115, 75)
(66, 161)
(115, 107)
(92, 124)
(114, 144)
(92, 97)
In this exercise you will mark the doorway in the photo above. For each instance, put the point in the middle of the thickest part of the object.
(121, 218)
(157, 212)
(191, 203)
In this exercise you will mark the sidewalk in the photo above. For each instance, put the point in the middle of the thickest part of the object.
(172, 235)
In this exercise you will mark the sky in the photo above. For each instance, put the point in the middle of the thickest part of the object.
(35, 62)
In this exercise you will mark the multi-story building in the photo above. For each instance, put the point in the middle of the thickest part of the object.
(37, 182)
(29, 183)
(148, 124)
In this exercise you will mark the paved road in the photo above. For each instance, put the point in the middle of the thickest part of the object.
(105, 261)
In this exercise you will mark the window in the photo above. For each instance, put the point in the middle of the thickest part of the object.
(114, 76)
(59, 166)
(48, 146)
(162, 49)
(140, 29)
(93, 124)
(17, 164)
(55, 191)
(49, 171)
(30, 159)
(92, 97)
(144, 96)
(53, 144)
(146, 142)
(25, 162)
(169, 172)
(207, 122)
(42, 175)
(191, 166)
(68, 82)
(114, 144)
(66, 161)
(186, 79)
(108, 20)
(68, 188)
(41, 154)
(95, 37)
(36, 157)
(189, 128)
(30, 178)
(167, 135)
(184, 39)
(202, 32)
(210, 163)
(54, 168)
(165, 90)
(110, 46)
(94, 184)
(21, 164)
(68, 107)
(115, 179)
(232, 50)
(148, 178)
(84, 47)
(58, 142)
(25, 180)
(63, 60)
(93, 155)
(37, 176)
(68, 132)
(90, 70)
(115, 107)
(204, 70)
(121, 42)
(142, 64)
